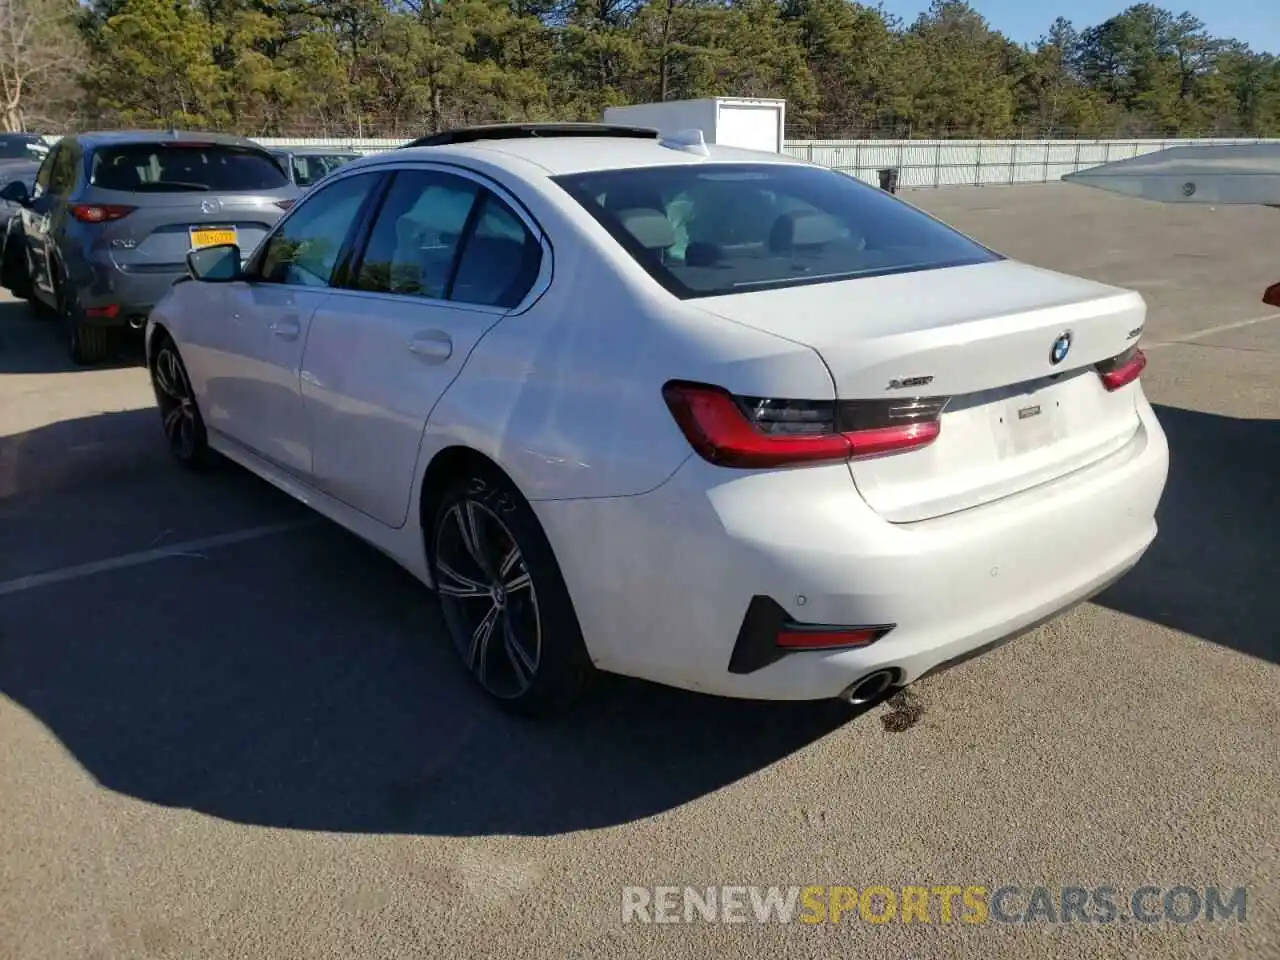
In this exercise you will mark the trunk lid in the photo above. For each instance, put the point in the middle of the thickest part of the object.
(981, 336)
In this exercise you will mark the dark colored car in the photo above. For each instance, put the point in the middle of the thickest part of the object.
(309, 165)
(112, 217)
(17, 146)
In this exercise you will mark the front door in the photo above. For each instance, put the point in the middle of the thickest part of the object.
(44, 215)
(251, 354)
(432, 279)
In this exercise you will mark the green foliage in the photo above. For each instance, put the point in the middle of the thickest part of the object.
(404, 67)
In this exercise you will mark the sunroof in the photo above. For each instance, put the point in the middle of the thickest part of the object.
(522, 131)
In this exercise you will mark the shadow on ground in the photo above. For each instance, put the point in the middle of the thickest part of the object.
(29, 344)
(1212, 569)
(302, 680)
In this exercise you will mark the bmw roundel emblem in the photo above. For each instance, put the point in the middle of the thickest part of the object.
(1061, 347)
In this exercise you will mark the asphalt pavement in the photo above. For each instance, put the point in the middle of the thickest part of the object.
(229, 729)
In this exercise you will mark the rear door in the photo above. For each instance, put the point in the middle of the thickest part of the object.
(183, 195)
(447, 257)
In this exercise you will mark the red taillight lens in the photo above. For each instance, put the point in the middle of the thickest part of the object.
(100, 212)
(827, 638)
(285, 204)
(1122, 370)
(733, 431)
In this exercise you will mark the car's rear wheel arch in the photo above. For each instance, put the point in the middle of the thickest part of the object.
(446, 467)
(463, 479)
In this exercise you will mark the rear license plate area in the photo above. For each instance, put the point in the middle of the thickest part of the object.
(212, 236)
(1029, 421)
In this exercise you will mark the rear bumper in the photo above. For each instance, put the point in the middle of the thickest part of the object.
(132, 295)
(662, 582)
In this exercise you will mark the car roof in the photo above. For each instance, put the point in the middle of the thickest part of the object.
(560, 155)
(124, 138)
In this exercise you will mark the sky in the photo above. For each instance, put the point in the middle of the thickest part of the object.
(1256, 22)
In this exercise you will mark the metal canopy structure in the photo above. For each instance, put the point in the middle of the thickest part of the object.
(1239, 173)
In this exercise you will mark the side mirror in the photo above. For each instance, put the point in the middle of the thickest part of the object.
(15, 191)
(217, 264)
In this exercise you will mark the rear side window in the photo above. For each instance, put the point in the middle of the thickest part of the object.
(176, 168)
(709, 229)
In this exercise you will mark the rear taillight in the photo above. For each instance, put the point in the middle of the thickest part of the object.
(1123, 369)
(99, 212)
(737, 431)
(285, 204)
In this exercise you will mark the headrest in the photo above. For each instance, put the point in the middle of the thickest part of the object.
(805, 229)
(651, 228)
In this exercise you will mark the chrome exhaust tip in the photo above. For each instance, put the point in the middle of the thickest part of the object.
(137, 323)
(869, 688)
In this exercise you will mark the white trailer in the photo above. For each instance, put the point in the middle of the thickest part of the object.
(746, 122)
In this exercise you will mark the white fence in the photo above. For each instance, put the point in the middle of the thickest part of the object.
(921, 163)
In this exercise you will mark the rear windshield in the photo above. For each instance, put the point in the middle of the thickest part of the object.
(707, 229)
(163, 167)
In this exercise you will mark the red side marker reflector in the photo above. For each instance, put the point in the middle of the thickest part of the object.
(826, 639)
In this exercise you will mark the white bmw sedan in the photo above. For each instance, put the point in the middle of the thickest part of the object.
(718, 419)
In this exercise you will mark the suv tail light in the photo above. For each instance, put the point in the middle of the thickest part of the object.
(99, 212)
(285, 204)
(1122, 370)
(753, 432)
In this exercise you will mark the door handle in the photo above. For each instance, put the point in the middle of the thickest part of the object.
(286, 329)
(432, 345)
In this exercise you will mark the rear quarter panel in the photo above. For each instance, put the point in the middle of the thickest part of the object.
(567, 395)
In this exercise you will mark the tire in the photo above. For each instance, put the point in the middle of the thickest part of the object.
(532, 660)
(180, 417)
(88, 344)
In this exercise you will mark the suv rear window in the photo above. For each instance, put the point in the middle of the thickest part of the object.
(708, 229)
(165, 167)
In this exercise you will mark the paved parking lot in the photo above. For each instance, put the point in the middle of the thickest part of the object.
(228, 729)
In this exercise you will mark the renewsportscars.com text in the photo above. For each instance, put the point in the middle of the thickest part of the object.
(940, 904)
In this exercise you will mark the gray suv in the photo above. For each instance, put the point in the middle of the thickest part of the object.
(113, 215)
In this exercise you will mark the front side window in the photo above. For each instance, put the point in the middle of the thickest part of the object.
(415, 237)
(45, 172)
(305, 250)
(184, 168)
(709, 229)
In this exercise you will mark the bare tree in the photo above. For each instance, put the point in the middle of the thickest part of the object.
(39, 48)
